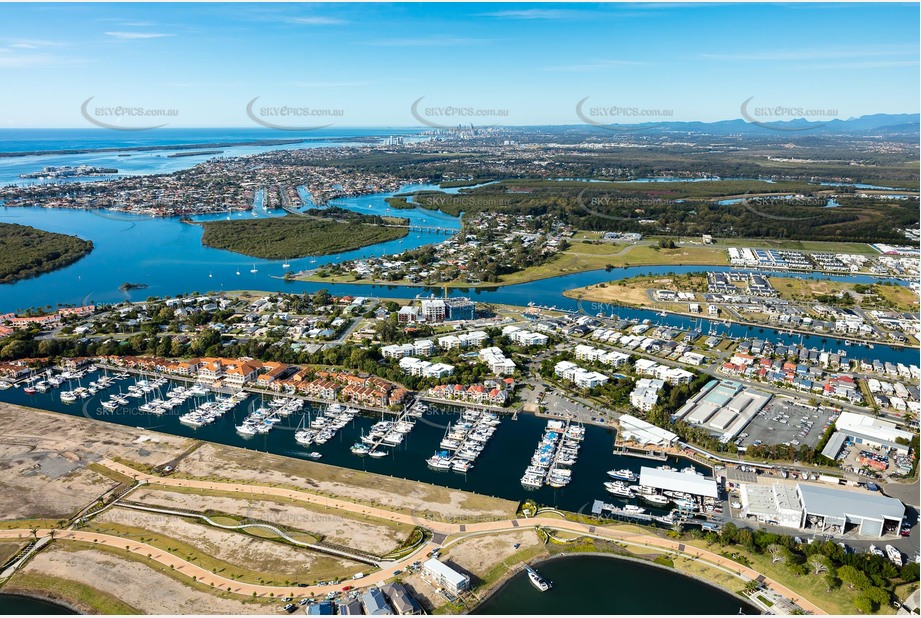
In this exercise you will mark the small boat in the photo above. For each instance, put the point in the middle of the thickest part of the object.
(632, 508)
(377, 454)
(876, 551)
(314, 455)
(31, 390)
(539, 582)
(254, 269)
(285, 264)
(894, 555)
(360, 449)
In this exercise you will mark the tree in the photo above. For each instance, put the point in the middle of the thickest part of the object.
(729, 533)
(818, 563)
(877, 595)
(910, 572)
(777, 552)
(831, 582)
(863, 605)
(853, 578)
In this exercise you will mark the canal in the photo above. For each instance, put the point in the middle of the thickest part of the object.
(605, 585)
(16, 605)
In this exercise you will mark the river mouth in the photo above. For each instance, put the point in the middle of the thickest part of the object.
(596, 584)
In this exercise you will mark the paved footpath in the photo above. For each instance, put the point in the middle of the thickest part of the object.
(440, 528)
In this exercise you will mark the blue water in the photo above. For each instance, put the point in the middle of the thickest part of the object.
(605, 585)
(158, 161)
(14, 604)
(497, 471)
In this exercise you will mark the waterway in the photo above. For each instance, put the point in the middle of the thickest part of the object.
(130, 161)
(14, 604)
(602, 585)
(168, 256)
(497, 472)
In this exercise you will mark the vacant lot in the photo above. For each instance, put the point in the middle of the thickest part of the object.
(44, 458)
(353, 485)
(135, 584)
(278, 561)
(331, 526)
(479, 554)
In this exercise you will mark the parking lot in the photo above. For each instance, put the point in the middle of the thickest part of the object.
(783, 421)
(556, 404)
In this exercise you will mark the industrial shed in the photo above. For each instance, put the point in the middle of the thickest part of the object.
(871, 513)
(679, 481)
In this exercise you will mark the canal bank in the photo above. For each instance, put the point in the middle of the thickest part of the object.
(19, 601)
(582, 585)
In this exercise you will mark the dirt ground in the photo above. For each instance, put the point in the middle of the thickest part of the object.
(43, 459)
(136, 584)
(236, 548)
(478, 554)
(219, 462)
(374, 538)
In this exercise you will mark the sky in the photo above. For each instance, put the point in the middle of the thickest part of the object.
(512, 64)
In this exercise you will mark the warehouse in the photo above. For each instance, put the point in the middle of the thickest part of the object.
(840, 510)
(777, 504)
(724, 408)
(686, 482)
(872, 432)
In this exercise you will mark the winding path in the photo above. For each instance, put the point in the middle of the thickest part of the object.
(440, 529)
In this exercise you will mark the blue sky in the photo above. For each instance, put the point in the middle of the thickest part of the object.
(372, 61)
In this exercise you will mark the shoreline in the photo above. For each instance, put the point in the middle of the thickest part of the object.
(570, 294)
(48, 597)
(503, 581)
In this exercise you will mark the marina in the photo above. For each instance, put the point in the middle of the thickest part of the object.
(496, 469)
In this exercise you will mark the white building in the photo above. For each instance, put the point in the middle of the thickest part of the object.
(434, 310)
(444, 576)
(645, 393)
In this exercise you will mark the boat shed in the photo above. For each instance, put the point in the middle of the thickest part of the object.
(679, 481)
(873, 514)
(645, 433)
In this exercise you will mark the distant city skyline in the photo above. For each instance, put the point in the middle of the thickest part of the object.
(412, 65)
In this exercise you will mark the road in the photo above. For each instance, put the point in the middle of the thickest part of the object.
(440, 529)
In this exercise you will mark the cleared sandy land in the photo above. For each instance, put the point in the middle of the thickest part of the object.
(374, 538)
(478, 554)
(236, 548)
(136, 584)
(217, 462)
(43, 459)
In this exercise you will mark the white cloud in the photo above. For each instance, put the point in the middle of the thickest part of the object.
(539, 14)
(601, 65)
(133, 36)
(317, 21)
(427, 42)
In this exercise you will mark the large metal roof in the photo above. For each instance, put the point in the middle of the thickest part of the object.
(820, 500)
(678, 481)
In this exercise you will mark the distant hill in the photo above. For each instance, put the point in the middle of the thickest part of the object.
(873, 124)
